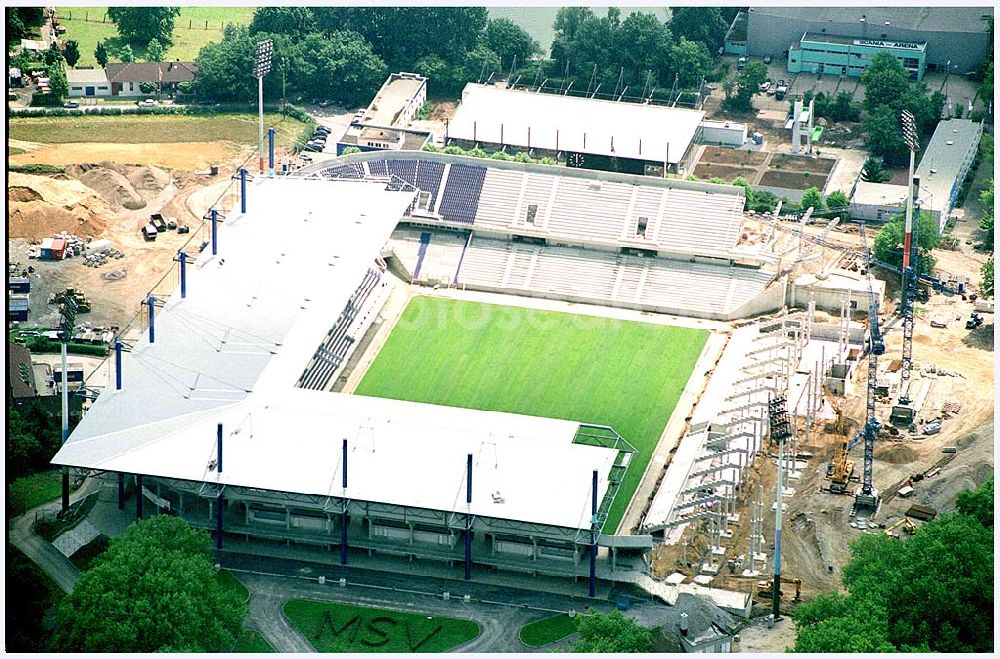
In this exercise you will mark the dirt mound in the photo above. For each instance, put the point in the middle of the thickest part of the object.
(39, 206)
(110, 184)
(148, 179)
(897, 454)
(19, 194)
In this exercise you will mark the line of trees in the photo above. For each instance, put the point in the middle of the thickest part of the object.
(930, 593)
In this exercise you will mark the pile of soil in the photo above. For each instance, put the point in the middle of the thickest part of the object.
(38, 206)
(148, 179)
(897, 454)
(109, 183)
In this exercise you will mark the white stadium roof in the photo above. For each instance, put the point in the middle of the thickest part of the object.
(609, 128)
(233, 349)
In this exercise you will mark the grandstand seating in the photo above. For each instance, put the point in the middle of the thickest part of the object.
(460, 198)
(605, 277)
(569, 209)
(333, 351)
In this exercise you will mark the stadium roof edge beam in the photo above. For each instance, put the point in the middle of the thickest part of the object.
(232, 351)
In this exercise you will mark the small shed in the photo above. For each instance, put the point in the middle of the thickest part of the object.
(695, 624)
(19, 285)
(52, 249)
(17, 308)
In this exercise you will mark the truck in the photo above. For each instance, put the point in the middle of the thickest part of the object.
(158, 222)
(780, 90)
(149, 232)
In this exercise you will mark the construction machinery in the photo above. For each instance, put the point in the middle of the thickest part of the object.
(843, 469)
(81, 301)
(907, 525)
(765, 588)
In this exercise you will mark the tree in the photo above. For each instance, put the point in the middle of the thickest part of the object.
(72, 53)
(155, 52)
(743, 87)
(704, 25)
(57, 80)
(874, 171)
(567, 24)
(837, 199)
(978, 503)
(885, 138)
(885, 81)
(888, 244)
(985, 89)
(140, 25)
(748, 193)
(508, 40)
(645, 47)
(986, 221)
(612, 633)
(153, 590)
(987, 285)
(53, 55)
(28, 601)
(291, 21)
(813, 197)
(691, 61)
(21, 22)
(101, 54)
(125, 54)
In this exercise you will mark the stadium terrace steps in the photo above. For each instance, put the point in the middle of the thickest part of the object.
(334, 350)
(425, 240)
(697, 288)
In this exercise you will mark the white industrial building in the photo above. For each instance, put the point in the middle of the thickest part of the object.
(877, 202)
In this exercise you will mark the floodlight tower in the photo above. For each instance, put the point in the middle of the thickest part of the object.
(780, 432)
(66, 324)
(909, 279)
(261, 67)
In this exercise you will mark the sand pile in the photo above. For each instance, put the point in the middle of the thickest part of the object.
(148, 179)
(38, 206)
(109, 183)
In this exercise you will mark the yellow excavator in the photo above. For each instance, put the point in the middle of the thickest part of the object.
(843, 469)
(765, 589)
(907, 525)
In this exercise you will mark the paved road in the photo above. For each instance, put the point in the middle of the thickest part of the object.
(42, 553)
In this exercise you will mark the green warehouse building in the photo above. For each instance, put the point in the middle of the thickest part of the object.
(837, 55)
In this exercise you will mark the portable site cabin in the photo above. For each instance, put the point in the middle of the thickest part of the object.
(53, 249)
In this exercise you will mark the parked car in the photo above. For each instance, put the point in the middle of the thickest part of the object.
(323, 129)
(183, 228)
(767, 59)
(306, 157)
(71, 104)
(148, 103)
(312, 146)
(780, 89)
(741, 63)
(765, 86)
(932, 427)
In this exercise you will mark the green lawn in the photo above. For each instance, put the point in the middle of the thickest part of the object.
(189, 29)
(548, 630)
(229, 582)
(30, 491)
(624, 374)
(251, 640)
(13, 151)
(334, 627)
(128, 129)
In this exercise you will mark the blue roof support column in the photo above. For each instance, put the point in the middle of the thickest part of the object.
(150, 302)
(343, 513)
(243, 190)
(468, 518)
(118, 365)
(215, 232)
(270, 152)
(592, 589)
(218, 461)
(138, 496)
(121, 491)
(184, 289)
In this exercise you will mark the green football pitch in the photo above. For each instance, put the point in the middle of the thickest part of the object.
(623, 374)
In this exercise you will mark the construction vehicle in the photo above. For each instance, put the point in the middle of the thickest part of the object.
(907, 525)
(974, 321)
(765, 588)
(162, 223)
(82, 303)
(842, 471)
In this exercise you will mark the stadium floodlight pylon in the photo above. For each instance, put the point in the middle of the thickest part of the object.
(261, 67)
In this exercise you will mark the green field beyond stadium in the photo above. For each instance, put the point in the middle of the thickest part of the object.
(628, 375)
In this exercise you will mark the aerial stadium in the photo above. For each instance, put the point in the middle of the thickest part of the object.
(281, 395)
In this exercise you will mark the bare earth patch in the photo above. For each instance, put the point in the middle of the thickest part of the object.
(184, 156)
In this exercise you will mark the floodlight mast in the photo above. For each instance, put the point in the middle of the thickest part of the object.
(910, 137)
(261, 67)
